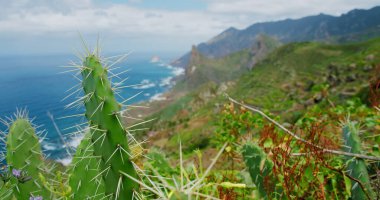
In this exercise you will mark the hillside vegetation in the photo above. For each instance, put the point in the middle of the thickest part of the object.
(291, 80)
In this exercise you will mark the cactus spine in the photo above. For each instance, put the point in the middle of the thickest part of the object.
(24, 156)
(259, 167)
(108, 135)
(356, 166)
(84, 169)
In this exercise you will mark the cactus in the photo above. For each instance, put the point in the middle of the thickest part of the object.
(259, 167)
(108, 134)
(6, 192)
(356, 166)
(84, 169)
(6, 186)
(24, 157)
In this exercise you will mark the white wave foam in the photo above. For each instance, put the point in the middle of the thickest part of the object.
(147, 94)
(75, 141)
(166, 81)
(145, 84)
(65, 161)
(177, 71)
(157, 97)
(49, 146)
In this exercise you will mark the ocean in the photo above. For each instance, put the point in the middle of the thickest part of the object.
(38, 84)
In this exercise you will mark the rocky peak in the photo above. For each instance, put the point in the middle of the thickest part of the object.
(261, 47)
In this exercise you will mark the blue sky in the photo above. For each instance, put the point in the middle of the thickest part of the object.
(52, 26)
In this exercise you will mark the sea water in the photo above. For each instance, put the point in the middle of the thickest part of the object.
(39, 85)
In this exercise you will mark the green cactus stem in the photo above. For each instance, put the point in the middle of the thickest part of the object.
(6, 190)
(108, 134)
(259, 167)
(84, 182)
(356, 166)
(25, 159)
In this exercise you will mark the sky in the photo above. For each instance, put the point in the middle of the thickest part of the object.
(29, 27)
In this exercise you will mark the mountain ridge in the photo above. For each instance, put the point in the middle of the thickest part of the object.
(348, 27)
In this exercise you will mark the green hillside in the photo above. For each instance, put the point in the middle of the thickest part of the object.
(288, 82)
(298, 72)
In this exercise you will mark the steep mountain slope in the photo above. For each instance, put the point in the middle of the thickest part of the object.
(356, 25)
(288, 82)
(202, 69)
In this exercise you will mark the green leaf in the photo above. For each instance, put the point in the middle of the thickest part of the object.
(309, 173)
(268, 143)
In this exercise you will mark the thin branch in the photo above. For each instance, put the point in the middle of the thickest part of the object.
(301, 139)
(350, 177)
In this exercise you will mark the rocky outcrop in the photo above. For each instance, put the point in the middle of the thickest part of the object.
(261, 48)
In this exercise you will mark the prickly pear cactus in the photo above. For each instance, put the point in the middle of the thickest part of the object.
(24, 157)
(6, 186)
(356, 167)
(6, 193)
(108, 134)
(84, 182)
(259, 167)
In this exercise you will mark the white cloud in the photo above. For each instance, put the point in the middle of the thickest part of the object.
(128, 26)
(142, 27)
(117, 18)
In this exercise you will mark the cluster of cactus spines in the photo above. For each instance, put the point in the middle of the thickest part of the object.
(181, 183)
(356, 167)
(84, 180)
(108, 135)
(259, 167)
(25, 160)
